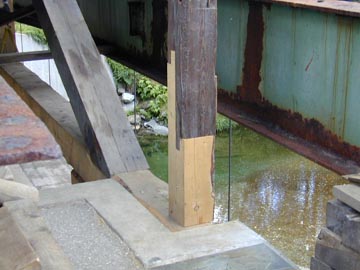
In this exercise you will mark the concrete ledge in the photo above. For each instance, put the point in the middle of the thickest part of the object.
(151, 241)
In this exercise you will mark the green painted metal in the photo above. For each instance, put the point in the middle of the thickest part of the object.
(309, 62)
(109, 20)
(232, 23)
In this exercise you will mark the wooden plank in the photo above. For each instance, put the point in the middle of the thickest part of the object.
(28, 217)
(195, 31)
(15, 251)
(7, 17)
(25, 56)
(58, 116)
(103, 123)
(349, 194)
(353, 178)
(191, 109)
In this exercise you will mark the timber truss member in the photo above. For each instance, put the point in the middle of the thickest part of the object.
(5, 5)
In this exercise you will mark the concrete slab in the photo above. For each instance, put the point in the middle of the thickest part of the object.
(27, 216)
(40, 174)
(258, 257)
(86, 239)
(23, 137)
(151, 241)
(349, 194)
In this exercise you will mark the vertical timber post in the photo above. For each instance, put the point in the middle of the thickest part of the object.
(7, 40)
(192, 39)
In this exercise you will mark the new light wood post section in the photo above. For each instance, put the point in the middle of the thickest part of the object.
(192, 37)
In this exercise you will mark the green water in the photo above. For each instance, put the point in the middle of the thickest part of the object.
(277, 193)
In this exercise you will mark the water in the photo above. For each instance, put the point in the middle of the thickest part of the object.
(277, 193)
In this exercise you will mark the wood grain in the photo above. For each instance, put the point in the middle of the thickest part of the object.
(107, 133)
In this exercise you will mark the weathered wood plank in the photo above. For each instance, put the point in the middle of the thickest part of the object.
(25, 56)
(348, 194)
(7, 17)
(30, 221)
(194, 41)
(57, 115)
(107, 134)
(16, 252)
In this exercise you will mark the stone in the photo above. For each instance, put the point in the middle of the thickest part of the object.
(132, 119)
(156, 128)
(129, 107)
(349, 194)
(333, 253)
(351, 233)
(336, 213)
(318, 265)
(127, 98)
(120, 89)
(11, 191)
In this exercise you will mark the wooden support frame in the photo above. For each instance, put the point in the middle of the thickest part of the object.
(6, 58)
(111, 142)
(192, 109)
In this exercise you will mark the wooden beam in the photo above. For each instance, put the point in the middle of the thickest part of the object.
(103, 123)
(6, 58)
(57, 115)
(8, 17)
(192, 109)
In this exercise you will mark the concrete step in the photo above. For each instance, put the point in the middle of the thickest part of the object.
(151, 242)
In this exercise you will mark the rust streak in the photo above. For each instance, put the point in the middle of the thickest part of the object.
(249, 90)
(312, 139)
(308, 65)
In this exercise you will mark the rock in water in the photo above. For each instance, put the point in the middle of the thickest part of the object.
(132, 119)
(127, 98)
(156, 128)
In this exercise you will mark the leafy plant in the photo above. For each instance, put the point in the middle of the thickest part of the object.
(121, 73)
(222, 123)
(35, 33)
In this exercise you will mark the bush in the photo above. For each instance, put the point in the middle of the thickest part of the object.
(37, 34)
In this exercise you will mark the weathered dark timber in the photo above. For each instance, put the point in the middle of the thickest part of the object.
(193, 37)
(23, 57)
(107, 133)
(6, 17)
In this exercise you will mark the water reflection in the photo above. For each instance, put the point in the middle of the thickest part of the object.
(284, 200)
(277, 193)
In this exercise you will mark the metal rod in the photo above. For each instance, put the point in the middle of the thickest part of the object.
(229, 179)
(135, 101)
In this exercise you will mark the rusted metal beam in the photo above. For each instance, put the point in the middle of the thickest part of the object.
(249, 115)
(346, 8)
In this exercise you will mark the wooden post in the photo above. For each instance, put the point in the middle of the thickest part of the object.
(192, 38)
(7, 36)
(107, 133)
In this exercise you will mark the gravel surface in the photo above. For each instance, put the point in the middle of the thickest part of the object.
(86, 239)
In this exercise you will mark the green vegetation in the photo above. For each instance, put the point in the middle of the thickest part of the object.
(37, 34)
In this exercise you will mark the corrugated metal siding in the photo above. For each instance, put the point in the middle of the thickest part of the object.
(308, 62)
